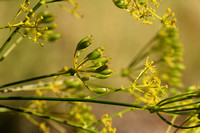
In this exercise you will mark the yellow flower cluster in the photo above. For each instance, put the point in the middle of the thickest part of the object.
(150, 91)
(80, 113)
(108, 125)
(73, 11)
(144, 10)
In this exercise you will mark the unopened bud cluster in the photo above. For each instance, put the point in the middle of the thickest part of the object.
(95, 64)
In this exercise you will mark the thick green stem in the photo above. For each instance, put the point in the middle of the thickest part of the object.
(70, 71)
(176, 96)
(49, 117)
(142, 107)
(173, 125)
(179, 99)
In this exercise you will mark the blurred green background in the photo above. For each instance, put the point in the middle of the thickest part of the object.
(120, 34)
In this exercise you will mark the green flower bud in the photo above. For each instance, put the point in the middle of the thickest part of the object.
(71, 83)
(100, 90)
(93, 69)
(100, 60)
(175, 73)
(51, 27)
(84, 43)
(101, 68)
(106, 72)
(95, 54)
(48, 32)
(125, 72)
(47, 17)
(190, 89)
(101, 76)
(54, 37)
(179, 66)
(85, 78)
(121, 3)
(177, 58)
(177, 84)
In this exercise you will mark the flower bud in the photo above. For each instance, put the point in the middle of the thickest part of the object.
(54, 37)
(175, 73)
(85, 78)
(100, 60)
(47, 17)
(71, 83)
(190, 89)
(95, 54)
(179, 66)
(100, 90)
(84, 43)
(101, 76)
(101, 68)
(121, 3)
(51, 27)
(106, 72)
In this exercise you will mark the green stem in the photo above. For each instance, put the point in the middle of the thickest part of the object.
(70, 71)
(53, 1)
(106, 93)
(183, 105)
(173, 125)
(11, 48)
(176, 96)
(32, 87)
(49, 117)
(172, 121)
(184, 123)
(112, 116)
(183, 111)
(140, 75)
(142, 107)
(179, 99)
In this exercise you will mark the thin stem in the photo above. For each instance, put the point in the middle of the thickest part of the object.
(20, 26)
(137, 106)
(179, 99)
(33, 87)
(182, 111)
(11, 48)
(180, 127)
(176, 96)
(184, 122)
(172, 121)
(142, 107)
(49, 117)
(52, 1)
(183, 105)
(106, 93)
(70, 71)
(140, 75)
(112, 116)
(154, 14)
